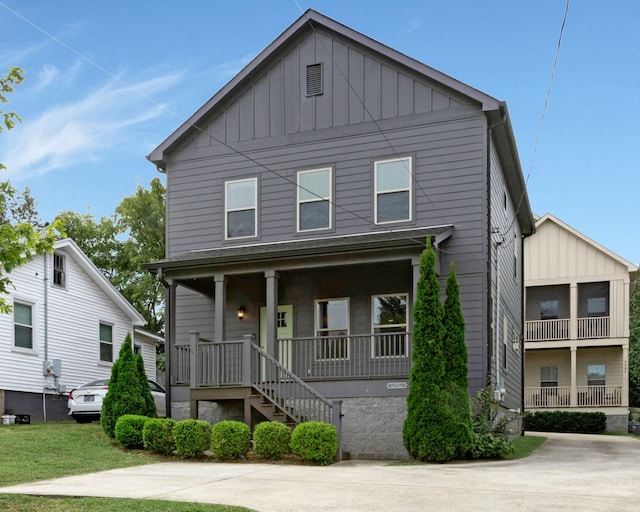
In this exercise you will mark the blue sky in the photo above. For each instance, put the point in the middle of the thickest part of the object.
(108, 81)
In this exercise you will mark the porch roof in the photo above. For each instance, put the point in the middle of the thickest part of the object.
(396, 239)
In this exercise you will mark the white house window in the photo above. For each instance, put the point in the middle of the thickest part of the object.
(548, 309)
(332, 329)
(389, 315)
(241, 199)
(549, 377)
(314, 199)
(596, 374)
(59, 270)
(23, 325)
(392, 190)
(106, 343)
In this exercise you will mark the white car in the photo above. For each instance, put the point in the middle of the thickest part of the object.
(85, 401)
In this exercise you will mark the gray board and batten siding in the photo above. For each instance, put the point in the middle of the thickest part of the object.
(375, 104)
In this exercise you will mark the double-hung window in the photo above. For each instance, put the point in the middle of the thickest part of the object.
(23, 325)
(106, 343)
(314, 199)
(59, 270)
(393, 190)
(241, 208)
(549, 377)
(390, 325)
(332, 329)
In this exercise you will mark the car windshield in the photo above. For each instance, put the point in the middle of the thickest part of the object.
(98, 382)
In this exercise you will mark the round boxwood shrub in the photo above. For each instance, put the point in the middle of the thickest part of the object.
(157, 435)
(271, 439)
(192, 438)
(128, 430)
(230, 439)
(315, 442)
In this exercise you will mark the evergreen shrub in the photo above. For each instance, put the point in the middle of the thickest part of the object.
(230, 439)
(491, 435)
(271, 439)
(192, 438)
(157, 435)
(128, 430)
(315, 442)
(566, 421)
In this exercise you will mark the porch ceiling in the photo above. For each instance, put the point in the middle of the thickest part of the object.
(300, 249)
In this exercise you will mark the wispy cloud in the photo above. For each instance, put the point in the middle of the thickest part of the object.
(78, 132)
(414, 25)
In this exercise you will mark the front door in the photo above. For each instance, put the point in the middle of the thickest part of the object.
(284, 332)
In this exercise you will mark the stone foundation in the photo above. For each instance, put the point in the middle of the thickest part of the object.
(617, 423)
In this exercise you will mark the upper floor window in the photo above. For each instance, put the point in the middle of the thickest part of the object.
(549, 377)
(392, 190)
(23, 325)
(548, 309)
(241, 200)
(106, 343)
(332, 329)
(59, 270)
(596, 374)
(390, 325)
(314, 199)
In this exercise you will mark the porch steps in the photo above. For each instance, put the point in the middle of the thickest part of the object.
(272, 411)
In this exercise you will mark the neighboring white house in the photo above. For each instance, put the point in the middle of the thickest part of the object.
(66, 328)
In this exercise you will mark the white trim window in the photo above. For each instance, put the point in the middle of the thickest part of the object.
(393, 190)
(314, 199)
(23, 325)
(59, 270)
(332, 328)
(241, 208)
(106, 342)
(548, 376)
(389, 325)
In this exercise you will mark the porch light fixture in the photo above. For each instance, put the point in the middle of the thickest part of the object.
(240, 312)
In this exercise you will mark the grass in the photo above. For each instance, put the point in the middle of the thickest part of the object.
(524, 446)
(42, 451)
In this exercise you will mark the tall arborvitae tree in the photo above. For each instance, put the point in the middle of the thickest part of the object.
(634, 346)
(150, 408)
(456, 380)
(427, 430)
(126, 392)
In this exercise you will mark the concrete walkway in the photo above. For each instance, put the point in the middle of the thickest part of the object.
(568, 473)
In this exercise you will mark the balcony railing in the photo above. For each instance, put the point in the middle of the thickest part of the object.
(560, 396)
(547, 330)
(555, 330)
(329, 357)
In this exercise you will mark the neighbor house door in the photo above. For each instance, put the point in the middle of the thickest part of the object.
(284, 324)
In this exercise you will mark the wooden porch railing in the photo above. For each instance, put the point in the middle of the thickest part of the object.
(547, 330)
(596, 327)
(558, 397)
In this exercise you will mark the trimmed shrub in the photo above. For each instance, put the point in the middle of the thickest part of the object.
(566, 421)
(315, 442)
(271, 439)
(230, 439)
(128, 430)
(490, 438)
(192, 438)
(157, 435)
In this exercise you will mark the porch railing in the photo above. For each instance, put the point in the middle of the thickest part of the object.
(560, 396)
(596, 327)
(347, 357)
(547, 330)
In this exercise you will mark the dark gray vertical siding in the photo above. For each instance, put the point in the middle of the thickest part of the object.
(292, 92)
(356, 86)
(261, 102)
(371, 89)
(339, 86)
(275, 113)
(389, 96)
(405, 95)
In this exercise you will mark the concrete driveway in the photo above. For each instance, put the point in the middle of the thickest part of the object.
(569, 472)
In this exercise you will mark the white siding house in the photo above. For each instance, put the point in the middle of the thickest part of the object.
(67, 325)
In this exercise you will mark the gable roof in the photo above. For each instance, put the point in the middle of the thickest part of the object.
(495, 110)
(549, 218)
(69, 247)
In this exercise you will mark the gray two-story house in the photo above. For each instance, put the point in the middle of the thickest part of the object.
(299, 200)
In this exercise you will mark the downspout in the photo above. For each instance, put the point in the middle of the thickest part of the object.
(522, 340)
(490, 231)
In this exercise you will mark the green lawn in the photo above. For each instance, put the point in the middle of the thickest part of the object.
(43, 451)
(524, 446)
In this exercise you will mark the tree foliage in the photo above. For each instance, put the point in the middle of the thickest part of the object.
(21, 237)
(121, 244)
(127, 390)
(634, 346)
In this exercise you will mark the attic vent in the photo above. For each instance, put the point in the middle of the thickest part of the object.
(314, 79)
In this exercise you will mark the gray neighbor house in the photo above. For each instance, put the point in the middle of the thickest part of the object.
(299, 200)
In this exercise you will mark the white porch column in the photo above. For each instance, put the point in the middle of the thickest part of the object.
(573, 401)
(271, 277)
(573, 311)
(220, 299)
(625, 376)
